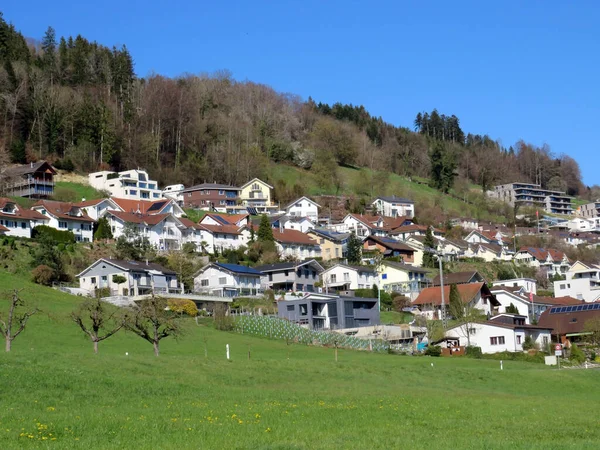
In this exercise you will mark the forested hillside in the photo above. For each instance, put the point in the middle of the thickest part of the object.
(70, 100)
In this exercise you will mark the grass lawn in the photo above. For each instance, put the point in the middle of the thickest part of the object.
(396, 317)
(54, 387)
(74, 192)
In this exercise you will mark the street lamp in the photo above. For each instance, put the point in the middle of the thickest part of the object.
(438, 255)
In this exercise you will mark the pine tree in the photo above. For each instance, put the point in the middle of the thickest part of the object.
(103, 230)
(429, 243)
(457, 309)
(512, 309)
(49, 56)
(265, 231)
(354, 249)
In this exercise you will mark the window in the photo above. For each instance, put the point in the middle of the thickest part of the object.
(333, 278)
(518, 339)
(497, 340)
(222, 280)
(221, 192)
(222, 202)
(303, 309)
(62, 224)
(104, 278)
(93, 280)
(203, 282)
(545, 340)
(472, 331)
(290, 307)
(270, 276)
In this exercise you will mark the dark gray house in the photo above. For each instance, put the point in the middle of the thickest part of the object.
(291, 276)
(322, 312)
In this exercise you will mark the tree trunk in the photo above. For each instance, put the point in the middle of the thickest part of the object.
(156, 351)
(8, 344)
(95, 346)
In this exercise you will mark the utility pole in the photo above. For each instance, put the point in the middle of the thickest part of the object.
(443, 306)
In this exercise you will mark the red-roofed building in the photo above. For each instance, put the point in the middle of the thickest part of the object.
(17, 220)
(364, 225)
(162, 206)
(296, 244)
(552, 261)
(65, 216)
(477, 295)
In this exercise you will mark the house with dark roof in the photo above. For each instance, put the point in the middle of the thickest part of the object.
(211, 196)
(343, 277)
(405, 232)
(475, 295)
(64, 216)
(394, 207)
(18, 221)
(569, 322)
(551, 261)
(227, 280)
(141, 278)
(291, 276)
(459, 278)
(333, 244)
(389, 248)
(401, 278)
(295, 244)
(34, 180)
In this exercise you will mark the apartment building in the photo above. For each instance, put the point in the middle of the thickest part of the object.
(529, 194)
(590, 210)
(394, 207)
(211, 196)
(130, 184)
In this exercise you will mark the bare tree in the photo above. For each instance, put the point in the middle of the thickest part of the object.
(16, 320)
(97, 321)
(151, 321)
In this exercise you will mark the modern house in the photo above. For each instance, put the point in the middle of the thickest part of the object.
(34, 180)
(402, 278)
(303, 207)
(530, 194)
(475, 295)
(18, 221)
(590, 210)
(569, 322)
(330, 312)
(211, 196)
(333, 244)
(291, 276)
(256, 195)
(129, 278)
(394, 207)
(227, 280)
(582, 281)
(552, 261)
(528, 284)
(342, 277)
(502, 333)
(389, 248)
(131, 184)
(174, 192)
(65, 216)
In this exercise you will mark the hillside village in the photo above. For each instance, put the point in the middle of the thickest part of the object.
(312, 266)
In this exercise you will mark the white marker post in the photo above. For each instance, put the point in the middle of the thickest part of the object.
(227, 349)
(501, 365)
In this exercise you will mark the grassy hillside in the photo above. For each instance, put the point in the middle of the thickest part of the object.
(74, 192)
(55, 389)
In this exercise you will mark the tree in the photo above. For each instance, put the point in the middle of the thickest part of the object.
(97, 320)
(118, 279)
(48, 254)
(151, 321)
(16, 319)
(103, 230)
(592, 326)
(354, 249)
(456, 306)
(49, 48)
(443, 167)
(265, 230)
(429, 243)
(512, 309)
(131, 245)
(470, 316)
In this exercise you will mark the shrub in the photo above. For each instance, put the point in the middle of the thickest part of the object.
(576, 354)
(528, 343)
(119, 279)
(43, 274)
(223, 321)
(183, 306)
(58, 236)
(473, 352)
(400, 302)
(433, 350)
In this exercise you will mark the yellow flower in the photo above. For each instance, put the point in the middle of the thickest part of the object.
(50, 408)
(257, 415)
(268, 430)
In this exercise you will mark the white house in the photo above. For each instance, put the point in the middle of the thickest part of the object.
(582, 281)
(492, 252)
(303, 207)
(140, 278)
(174, 192)
(293, 243)
(502, 333)
(67, 217)
(162, 206)
(402, 278)
(342, 277)
(507, 297)
(302, 224)
(131, 184)
(394, 207)
(553, 261)
(528, 284)
(96, 208)
(17, 220)
(227, 280)
(227, 231)
(474, 296)
(218, 219)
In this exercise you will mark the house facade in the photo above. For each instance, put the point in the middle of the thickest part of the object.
(582, 281)
(211, 196)
(18, 221)
(303, 207)
(34, 180)
(290, 276)
(402, 278)
(139, 278)
(295, 244)
(528, 284)
(342, 277)
(333, 244)
(64, 216)
(474, 295)
(257, 195)
(131, 184)
(394, 207)
(163, 231)
(529, 194)
(330, 312)
(227, 280)
(552, 261)
(389, 248)
(96, 208)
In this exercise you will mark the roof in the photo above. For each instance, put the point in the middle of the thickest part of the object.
(293, 237)
(236, 268)
(21, 213)
(567, 320)
(413, 228)
(301, 198)
(224, 229)
(132, 266)
(189, 223)
(366, 219)
(393, 198)
(541, 254)
(405, 267)
(562, 301)
(493, 323)
(390, 243)
(3, 229)
(149, 219)
(85, 203)
(357, 268)
(458, 278)
(328, 234)
(199, 187)
(495, 248)
(225, 219)
(142, 206)
(61, 210)
(467, 292)
(28, 168)
(256, 179)
(460, 243)
(285, 266)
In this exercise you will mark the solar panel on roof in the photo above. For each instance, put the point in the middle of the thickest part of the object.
(580, 307)
(597, 306)
(221, 220)
(563, 309)
(157, 206)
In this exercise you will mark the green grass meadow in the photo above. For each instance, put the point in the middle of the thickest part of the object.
(55, 393)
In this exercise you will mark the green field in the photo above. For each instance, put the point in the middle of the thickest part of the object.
(57, 394)
(67, 191)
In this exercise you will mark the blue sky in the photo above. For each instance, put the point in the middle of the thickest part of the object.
(511, 69)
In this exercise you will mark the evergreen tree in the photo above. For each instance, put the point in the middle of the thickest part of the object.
(48, 61)
(354, 249)
(429, 242)
(265, 231)
(512, 309)
(456, 307)
(103, 230)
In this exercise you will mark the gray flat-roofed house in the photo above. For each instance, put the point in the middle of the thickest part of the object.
(323, 312)
(291, 276)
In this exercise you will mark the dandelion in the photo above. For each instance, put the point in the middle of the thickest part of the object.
(50, 408)
(257, 415)
(268, 430)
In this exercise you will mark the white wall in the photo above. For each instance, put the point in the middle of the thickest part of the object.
(525, 283)
(348, 275)
(484, 332)
(506, 299)
(216, 279)
(581, 288)
(303, 208)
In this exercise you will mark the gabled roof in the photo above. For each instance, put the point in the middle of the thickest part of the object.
(404, 267)
(366, 219)
(568, 322)
(389, 243)
(142, 206)
(459, 278)
(288, 266)
(135, 266)
(293, 237)
(562, 301)
(62, 210)
(411, 229)
(223, 229)
(20, 213)
(256, 179)
(95, 202)
(146, 219)
(494, 248)
(302, 198)
(541, 254)
(356, 268)
(29, 168)
(225, 219)
(460, 243)
(3, 229)
(190, 224)
(393, 199)
(233, 268)
(467, 292)
(328, 234)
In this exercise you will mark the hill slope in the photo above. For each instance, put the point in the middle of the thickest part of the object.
(54, 387)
